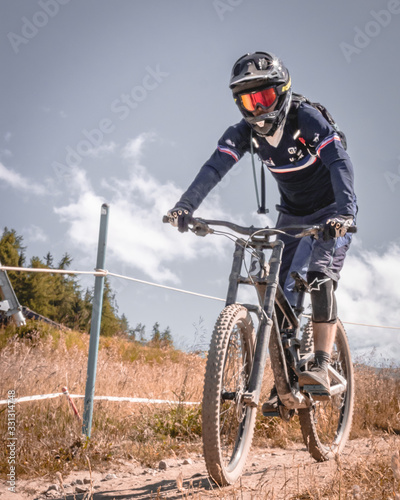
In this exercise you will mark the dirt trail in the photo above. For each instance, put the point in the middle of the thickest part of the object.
(270, 473)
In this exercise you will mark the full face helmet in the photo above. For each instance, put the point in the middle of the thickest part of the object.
(260, 81)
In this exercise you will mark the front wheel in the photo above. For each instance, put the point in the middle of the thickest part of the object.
(228, 424)
(326, 425)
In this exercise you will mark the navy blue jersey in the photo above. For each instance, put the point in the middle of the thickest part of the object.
(306, 182)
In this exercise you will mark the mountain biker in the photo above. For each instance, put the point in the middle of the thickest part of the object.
(315, 180)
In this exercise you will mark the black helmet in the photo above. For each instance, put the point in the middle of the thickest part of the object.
(260, 80)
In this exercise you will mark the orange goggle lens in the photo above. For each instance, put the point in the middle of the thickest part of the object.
(264, 97)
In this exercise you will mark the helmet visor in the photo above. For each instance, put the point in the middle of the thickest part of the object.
(264, 98)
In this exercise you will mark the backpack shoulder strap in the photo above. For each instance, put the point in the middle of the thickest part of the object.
(297, 99)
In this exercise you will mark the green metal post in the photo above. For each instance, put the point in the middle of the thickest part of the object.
(95, 324)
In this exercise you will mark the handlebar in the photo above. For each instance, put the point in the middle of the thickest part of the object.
(199, 224)
(201, 228)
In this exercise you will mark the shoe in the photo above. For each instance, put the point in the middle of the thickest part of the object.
(270, 408)
(316, 381)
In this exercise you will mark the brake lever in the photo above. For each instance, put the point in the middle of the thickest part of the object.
(314, 231)
(201, 228)
(167, 219)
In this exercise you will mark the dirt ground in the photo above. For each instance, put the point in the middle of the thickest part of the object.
(271, 473)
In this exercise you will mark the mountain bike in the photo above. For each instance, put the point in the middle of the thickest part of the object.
(238, 354)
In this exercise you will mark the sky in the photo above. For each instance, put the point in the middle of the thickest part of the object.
(122, 101)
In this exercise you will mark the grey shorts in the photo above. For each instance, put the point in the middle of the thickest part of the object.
(309, 254)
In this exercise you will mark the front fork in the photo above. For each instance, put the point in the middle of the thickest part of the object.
(252, 396)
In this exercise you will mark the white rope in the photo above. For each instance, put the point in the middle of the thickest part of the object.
(361, 324)
(41, 397)
(103, 272)
(166, 287)
(96, 272)
(373, 326)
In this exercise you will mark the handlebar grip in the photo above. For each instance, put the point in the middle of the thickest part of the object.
(352, 229)
(167, 218)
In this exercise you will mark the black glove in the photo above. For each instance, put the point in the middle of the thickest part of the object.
(180, 217)
(337, 227)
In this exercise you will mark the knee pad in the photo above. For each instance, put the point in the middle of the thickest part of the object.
(323, 300)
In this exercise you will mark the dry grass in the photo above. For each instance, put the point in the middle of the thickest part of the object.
(49, 435)
(377, 405)
(40, 360)
(376, 413)
(377, 477)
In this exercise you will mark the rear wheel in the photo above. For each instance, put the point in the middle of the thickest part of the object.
(228, 424)
(326, 425)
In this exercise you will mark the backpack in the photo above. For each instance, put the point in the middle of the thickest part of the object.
(297, 99)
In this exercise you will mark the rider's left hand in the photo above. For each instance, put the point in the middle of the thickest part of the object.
(337, 227)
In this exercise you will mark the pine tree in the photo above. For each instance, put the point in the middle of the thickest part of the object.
(156, 334)
(49, 260)
(82, 311)
(166, 338)
(161, 339)
(59, 296)
(139, 333)
(12, 254)
(38, 290)
(11, 249)
(66, 292)
(110, 322)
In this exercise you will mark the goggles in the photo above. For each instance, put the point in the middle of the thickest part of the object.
(264, 98)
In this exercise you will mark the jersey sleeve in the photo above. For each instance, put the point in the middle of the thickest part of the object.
(234, 143)
(326, 143)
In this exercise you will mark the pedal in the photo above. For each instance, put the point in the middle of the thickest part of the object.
(248, 398)
(318, 392)
(270, 411)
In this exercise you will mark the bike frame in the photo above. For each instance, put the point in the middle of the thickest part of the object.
(268, 332)
(281, 340)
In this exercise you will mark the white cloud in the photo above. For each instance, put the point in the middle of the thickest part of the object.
(136, 235)
(369, 293)
(35, 233)
(5, 152)
(15, 180)
(102, 150)
(134, 147)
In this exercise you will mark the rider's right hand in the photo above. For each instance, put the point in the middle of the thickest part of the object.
(180, 218)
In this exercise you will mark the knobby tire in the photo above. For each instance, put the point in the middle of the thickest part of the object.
(228, 424)
(326, 425)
